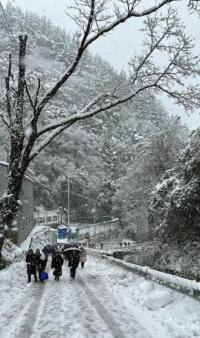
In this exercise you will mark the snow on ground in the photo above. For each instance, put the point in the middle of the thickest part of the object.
(105, 301)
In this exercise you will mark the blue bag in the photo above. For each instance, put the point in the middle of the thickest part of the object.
(43, 276)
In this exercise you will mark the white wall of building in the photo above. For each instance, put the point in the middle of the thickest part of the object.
(50, 217)
(95, 229)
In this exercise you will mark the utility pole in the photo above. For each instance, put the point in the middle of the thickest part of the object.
(68, 201)
(94, 212)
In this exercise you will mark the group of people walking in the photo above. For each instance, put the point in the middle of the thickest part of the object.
(36, 262)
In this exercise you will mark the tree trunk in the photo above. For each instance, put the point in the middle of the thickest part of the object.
(9, 202)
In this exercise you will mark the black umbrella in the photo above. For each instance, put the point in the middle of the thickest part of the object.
(72, 248)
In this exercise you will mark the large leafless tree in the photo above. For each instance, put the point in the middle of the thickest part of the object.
(164, 38)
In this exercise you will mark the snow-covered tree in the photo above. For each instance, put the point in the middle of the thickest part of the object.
(155, 149)
(26, 112)
(174, 210)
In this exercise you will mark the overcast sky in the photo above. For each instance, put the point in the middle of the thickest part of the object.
(118, 46)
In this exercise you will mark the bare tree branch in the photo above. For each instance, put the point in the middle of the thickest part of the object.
(48, 140)
(4, 120)
(146, 73)
(21, 82)
(82, 111)
(84, 114)
(37, 92)
(29, 95)
(85, 42)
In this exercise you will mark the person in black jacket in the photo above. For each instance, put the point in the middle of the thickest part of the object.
(56, 264)
(37, 261)
(31, 266)
(73, 257)
(42, 265)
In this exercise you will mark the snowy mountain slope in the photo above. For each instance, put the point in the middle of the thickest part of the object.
(96, 153)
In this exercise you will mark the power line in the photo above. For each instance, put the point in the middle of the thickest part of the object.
(83, 185)
(59, 190)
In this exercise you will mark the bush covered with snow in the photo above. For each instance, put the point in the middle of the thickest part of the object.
(10, 253)
(175, 211)
(40, 236)
(182, 260)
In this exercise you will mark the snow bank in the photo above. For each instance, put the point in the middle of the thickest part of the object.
(26, 244)
(11, 252)
(172, 281)
(10, 276)
(40, 236)
(158, 300)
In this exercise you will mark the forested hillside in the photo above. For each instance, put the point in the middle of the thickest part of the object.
(112, 160)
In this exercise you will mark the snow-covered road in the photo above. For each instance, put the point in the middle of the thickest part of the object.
(104, 301)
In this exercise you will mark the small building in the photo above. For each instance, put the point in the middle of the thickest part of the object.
(24, 221)
(53, 218)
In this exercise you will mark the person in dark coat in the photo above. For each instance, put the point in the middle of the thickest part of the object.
(42, 265)
(53, 251)
(31, 266)
(56, 264)
(73, 256)
(37, 260)
(83, 256)
(45, 251)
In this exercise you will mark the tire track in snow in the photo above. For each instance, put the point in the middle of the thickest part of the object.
(112, 325)
(99, 291)
(65, 312)
(101, 282)
(93, 323)
(24, 320)
(23, 325)
(48, 321)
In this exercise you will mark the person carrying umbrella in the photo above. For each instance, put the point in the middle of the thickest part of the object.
(72, 254)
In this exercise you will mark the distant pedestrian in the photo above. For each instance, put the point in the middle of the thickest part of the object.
(37, 260)
(53, 251)
(73, 256)
(45, 251)
(31, 266)
(125, 244)
(120, 244)
(83, 256)
(56, 264)
(101, 245)
(129, 243)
